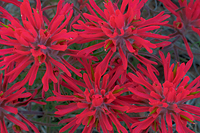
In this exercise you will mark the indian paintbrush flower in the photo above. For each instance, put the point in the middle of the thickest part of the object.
(37, 41)
(10, 104)
(187, 18)
(101, 102)
(121, 29)
(165, 101)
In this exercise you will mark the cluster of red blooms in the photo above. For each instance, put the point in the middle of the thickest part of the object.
(110, 92)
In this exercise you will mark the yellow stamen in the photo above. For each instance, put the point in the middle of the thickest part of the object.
(133, 28)
(117, 111)
(135, 46)
(90, 118)
(175, 70)
(79, 97)
(61, 41)
(153, 111)
(6, 26)
(17, 127)
(45, 31)
(92, 71)
(193, 93)
(109, 42)
(1, 94)
(39, 59)
(186, 118)
(155, 125)
(178, 24)
(96, 123)
(186, 86)
(116, 91)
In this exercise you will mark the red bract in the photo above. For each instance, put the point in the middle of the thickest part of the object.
(100, 100)
(123, 30)
(166, 101)
(15, 2)
(34, 44)
(188, 15)
(9, 104)
(187, 18)
(82, 3)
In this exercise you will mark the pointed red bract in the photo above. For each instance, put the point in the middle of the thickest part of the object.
(99, 101)
(9, 104)
(121, 30)
(187, 18)
(165, 100)
(33, 44)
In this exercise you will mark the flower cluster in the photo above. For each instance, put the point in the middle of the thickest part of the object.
(33, 44)
(166, 100)
(187, 19)
(9, 104)
(125, 31)
(108, 64)
(100, 100)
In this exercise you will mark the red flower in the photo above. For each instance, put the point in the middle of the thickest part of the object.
(121, 29)
(33, 44)
(188, 15)
(82, 3)
(100, 100)
(15, 2)
(9, 105)
(166, 102)
(187, 18)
